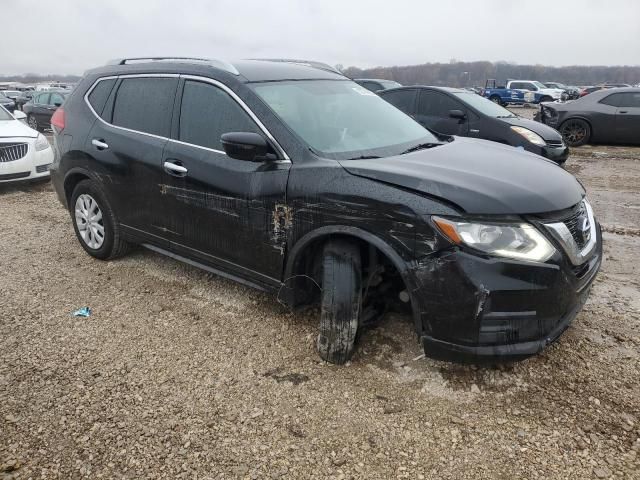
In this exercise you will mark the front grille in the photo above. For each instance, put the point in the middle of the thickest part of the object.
(42, 168)
(554, 143)
(572, 224)
(10, 152)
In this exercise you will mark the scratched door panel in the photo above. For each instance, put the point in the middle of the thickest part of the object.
(224, 211)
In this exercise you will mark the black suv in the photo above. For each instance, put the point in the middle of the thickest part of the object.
(292, 178)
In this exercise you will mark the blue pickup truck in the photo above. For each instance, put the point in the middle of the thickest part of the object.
(506, 96)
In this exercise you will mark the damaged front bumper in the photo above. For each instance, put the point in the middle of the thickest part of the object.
(471, 308)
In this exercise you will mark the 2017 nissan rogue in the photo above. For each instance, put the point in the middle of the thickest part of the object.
(291, 178)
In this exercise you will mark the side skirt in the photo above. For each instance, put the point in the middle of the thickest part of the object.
(215, 271)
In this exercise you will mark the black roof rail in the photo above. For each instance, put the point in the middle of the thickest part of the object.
(222, 65)
(308, 63)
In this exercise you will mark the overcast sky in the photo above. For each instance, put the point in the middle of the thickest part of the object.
(69, 36)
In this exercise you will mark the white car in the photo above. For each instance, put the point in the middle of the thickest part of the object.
(540, 91)
(25, 154)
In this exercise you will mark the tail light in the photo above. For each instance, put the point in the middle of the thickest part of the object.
(57, 120)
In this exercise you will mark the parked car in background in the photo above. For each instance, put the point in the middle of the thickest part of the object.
(41, 108)
(376, 84)
(341, 200)
(502, 95)
(6, 102)
(24, 153)
(615, 85)
(23, 98)
(604, 116)
(588, 90)
(452, 111)
(12, 94)
(572, 92)
(540, 91)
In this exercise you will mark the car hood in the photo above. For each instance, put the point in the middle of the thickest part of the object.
(15, 128)
(478, 176)
(546, 132)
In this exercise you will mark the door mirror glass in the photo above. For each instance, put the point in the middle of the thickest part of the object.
(459, 114)
(248, 146)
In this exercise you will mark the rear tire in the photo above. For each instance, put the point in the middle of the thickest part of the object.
(94, 222)
(341, 301)
(496, 99)
(576, 132)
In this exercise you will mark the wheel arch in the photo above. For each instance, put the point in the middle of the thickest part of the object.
(308, 246)
(72, 178)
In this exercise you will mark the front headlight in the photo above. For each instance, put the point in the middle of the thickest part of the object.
(530, 135)
(41, 143)
(519, 241)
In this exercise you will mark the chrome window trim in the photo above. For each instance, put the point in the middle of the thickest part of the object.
(285, 158)
(562, 234)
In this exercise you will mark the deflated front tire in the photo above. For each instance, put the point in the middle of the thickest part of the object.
(340, 302)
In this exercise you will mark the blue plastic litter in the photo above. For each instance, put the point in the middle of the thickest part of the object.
(82, 312)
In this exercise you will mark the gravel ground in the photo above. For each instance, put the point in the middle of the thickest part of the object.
(180, 374)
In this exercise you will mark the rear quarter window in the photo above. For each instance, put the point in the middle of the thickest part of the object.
(99, 95)
(145, 105)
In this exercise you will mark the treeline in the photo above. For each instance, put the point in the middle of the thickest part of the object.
(29, 78)
(466, 74)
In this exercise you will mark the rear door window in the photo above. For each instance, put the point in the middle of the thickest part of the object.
(402, 99)
(207, 112)
(145, 104)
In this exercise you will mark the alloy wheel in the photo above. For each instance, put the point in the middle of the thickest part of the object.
(33, 123)
(89, 221)
(574, 132)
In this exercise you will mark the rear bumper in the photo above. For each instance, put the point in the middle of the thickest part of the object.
(470, 308)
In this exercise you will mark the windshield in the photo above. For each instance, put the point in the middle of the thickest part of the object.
(4, 114)
(484, 105)
(340, 119)
(539, 85)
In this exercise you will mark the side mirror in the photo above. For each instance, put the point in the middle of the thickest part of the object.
(459, 114)
(18, 115)
(248, 146)
(57, 104)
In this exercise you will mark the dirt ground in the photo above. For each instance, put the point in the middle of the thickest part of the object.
(181, 374)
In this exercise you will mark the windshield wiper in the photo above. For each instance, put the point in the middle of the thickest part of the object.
(420, 146)
(507, 116)
(364, 157)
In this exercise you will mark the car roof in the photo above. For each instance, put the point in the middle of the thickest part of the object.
(430, 87)
(373, 80)
(253, 70)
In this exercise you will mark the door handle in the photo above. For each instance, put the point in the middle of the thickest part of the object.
(175, 169)
(623, 111)
(99, 144)
(473, 130)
